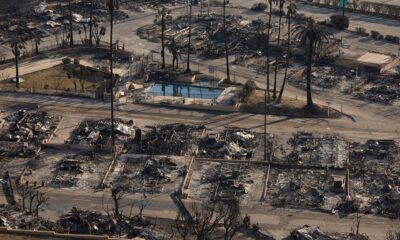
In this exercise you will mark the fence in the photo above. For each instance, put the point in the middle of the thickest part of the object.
(51, 92)
(364, 7)
(217, 71)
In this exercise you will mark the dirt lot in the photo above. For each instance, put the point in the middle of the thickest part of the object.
(54, 78)
(288, 107)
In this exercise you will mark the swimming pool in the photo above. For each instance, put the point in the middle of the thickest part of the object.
(188, 91)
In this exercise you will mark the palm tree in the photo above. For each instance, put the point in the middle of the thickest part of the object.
(37, 40)
(112, 5)
(71, 38)
(91, 24)
(267, 49)
(17, 46)
(267, 97)
(291, 12)
(189, 36)
(311, 37)
(174, 49)
(281, 4)
(162, 16)
(228, 77)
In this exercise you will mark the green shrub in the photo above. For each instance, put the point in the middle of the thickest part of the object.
(376, 35)
(392, 38)
(259, 7)
(362, 31)
(340, 22)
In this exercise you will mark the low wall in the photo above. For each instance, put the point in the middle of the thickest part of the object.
(33, 234)
(51, 92)
(390, 65)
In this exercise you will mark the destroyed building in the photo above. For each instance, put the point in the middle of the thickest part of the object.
(171, 139)
(148, 174)
(307, 189)
(231, 143)
(317, 150)
(97, 133)
(228, 181)
(375, 167)
(69, 169)
(245, 36)
(31, 127)
(384, 89)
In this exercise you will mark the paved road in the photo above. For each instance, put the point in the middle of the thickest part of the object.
(277, 221)
(371, 121)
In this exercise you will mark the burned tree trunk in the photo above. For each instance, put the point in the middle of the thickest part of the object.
(91, 24)
(281, 2)
(71, 39)
(228, 77)
(189, 37)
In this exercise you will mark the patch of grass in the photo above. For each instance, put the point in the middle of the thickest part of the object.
(288, 107)
(54, 78)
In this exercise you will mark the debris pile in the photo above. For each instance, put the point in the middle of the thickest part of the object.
(148, 174)
(314, 233)
(306, 189)
(383, 89)
(31, 127)
(43, 20)
(86, 222)
(156, 171)
(228, 181)
(16, 149)
(90, 222)
(232, 143)
(375, 169)
(328, 77)
(98, 133)
(317, 150)
(68, 170)
(172, 139)
(245, 36)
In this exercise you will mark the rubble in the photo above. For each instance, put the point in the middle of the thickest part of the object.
(327, 77)
(317, 150)
(97, 133)
(68, 170)
(31, 127)
(172, 139)
(312, 233)
(310, 189)
(14, 149)
(375, 169)
(232, 143)
(245, 36)
(148, 174)
(228, 181)
(384, 89)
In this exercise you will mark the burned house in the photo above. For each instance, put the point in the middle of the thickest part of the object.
(171, 139)
(97, 134)
(231, 143)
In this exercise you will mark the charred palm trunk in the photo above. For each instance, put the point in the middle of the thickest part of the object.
(228, 76)
(112, 80)
(16, 66)
(162, 41)
(189, 37)
(91, 24)
(277, 46)
(310, 103)
(267, 97)
(268, 48)
(71, 38)
(36, 47)
(287, 63)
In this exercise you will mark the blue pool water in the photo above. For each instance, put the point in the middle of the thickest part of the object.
(178, 90)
